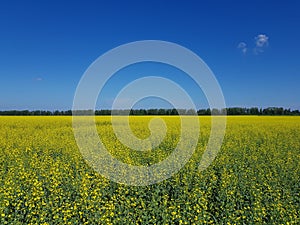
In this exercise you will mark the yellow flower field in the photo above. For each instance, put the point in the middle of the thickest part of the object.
(255, 178)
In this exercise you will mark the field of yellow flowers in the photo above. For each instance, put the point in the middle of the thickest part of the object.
(255, 178)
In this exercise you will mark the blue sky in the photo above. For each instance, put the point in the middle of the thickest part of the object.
(251, 46)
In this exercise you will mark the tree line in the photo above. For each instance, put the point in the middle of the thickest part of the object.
(140, 112)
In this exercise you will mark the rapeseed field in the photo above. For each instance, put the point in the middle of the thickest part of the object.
(255, 178)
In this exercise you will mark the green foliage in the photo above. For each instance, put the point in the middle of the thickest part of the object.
(270, 111)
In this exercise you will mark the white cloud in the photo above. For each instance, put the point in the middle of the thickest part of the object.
(38, 79)
(261, 40)
(243, 47)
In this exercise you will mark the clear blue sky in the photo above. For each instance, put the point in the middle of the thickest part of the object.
(251, 46)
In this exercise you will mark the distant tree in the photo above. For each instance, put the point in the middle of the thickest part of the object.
(223, 112)
(161, 112)
(56, 113)
(152, 111)
(254, 111)
(174, 112)
(228, 111)
(191, 112)
(201, 112)
(168, 111)
(208, 111)
(215, 112)
(142, 112)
